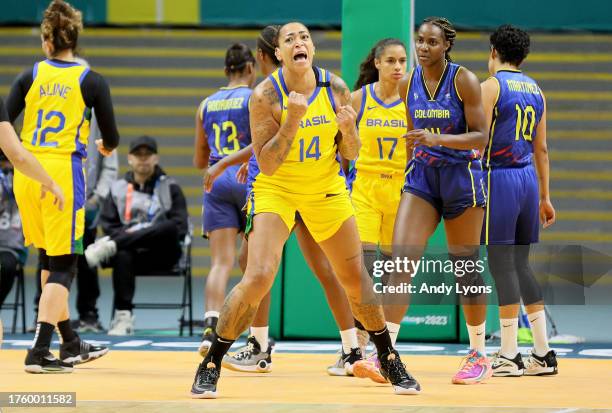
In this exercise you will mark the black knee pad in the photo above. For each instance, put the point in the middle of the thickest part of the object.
(504, 272)
(531, 291)
(468, 275)
(62, 269)
(43, 259)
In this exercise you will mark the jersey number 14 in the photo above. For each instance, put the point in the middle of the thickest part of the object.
(312, 151)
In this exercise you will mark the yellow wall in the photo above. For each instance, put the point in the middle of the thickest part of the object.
(145, 11)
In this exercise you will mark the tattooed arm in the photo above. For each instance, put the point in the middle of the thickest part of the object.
(271, 141)
(347, 139)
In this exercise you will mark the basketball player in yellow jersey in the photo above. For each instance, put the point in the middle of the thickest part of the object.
(300, 117)
(23, 161)
(377, 175)
(58, 95)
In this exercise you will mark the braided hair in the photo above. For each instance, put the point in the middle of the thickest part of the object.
(237, 57)
(447, 29)
(267, 42)
(368, 73)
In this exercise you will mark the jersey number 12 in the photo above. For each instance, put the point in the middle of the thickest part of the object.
(42, 134)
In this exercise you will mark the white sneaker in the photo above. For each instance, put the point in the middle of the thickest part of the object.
(100, 251)
(122, 324)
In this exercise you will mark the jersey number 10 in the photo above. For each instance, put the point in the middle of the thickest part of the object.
(525, 122)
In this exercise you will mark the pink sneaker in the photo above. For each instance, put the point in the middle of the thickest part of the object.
(369, 368)
(476, 368)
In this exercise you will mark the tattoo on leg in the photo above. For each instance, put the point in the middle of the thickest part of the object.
(370, 315)
(236, 314)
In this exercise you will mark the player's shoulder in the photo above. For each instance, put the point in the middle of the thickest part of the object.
(265, 93)
(463, 74)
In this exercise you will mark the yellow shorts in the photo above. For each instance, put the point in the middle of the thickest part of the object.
(44, 225)
(376, 198)
(323, 214)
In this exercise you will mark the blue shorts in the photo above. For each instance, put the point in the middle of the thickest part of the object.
(450, 189)
(223, 206)
(512, 215)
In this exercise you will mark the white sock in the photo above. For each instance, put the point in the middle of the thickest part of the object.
(509, 337)
(477, 337)
(394, 329)
(261, 335)
(1, 332)
(211, 314)
(349, 339)
(537, 321)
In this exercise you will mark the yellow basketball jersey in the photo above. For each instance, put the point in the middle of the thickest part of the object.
(56, 120)
(381, 126)
(311, 166)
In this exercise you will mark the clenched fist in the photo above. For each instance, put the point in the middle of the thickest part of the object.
(297, 105)
(345, 118)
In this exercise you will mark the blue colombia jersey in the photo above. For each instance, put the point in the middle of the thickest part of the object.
(226, 121)
(441, 112)
(517, 112)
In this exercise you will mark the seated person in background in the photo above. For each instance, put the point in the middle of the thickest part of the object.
(144, 218)
(12, 251)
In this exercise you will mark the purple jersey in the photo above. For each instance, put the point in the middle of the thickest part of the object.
(439, 112)
(517, 112)
(226, 121)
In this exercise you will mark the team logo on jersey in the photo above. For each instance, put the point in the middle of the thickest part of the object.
(416, 96)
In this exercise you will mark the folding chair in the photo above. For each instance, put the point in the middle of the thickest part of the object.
(181, 269)
(18, 302)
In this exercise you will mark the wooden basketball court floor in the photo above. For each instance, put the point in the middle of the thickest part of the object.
(159, 381)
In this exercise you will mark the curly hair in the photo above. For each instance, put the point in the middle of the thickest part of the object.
(61, 25)
(368, 73)
(267, 41)
(447, 29)
(236, 58)
(511, 43)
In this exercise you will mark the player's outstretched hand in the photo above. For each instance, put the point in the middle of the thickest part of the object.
(211, 174)
(417, 137)
(243, 173)
(102, 149)
(548, 215)
(57, 193)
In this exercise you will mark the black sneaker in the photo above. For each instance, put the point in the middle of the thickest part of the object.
(205, 382)
(42, 361)
(78, 351)
(392, 368)
(541, 366)
(344, 365)
(250, 358)
(504, 367)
